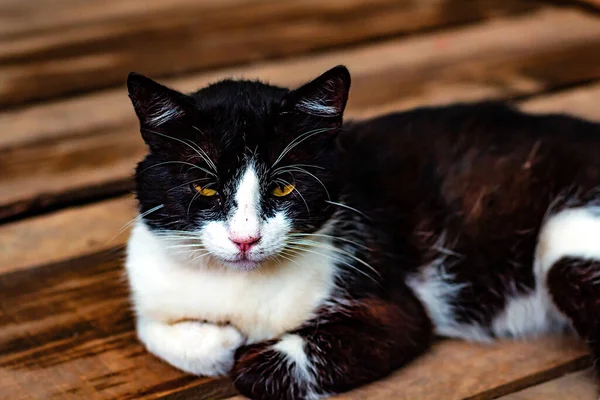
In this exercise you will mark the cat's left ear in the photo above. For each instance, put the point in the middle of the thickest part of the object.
(154, 103)
(324, 97)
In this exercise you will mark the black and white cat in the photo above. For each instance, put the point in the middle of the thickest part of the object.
(306, 257)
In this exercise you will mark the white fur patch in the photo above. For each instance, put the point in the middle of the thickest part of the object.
(245, 221)
(264, 303)
(292, 346)
(194, 347)
(437, 290)
(570, 233)
(528, 315)
(574, 232)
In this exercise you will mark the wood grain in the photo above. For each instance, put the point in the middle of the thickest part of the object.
(46, 173)
(72, 233)
(576, 386)
(67, 331)
(99, 142)
(88, 45)
(486, 59)
(457, 370)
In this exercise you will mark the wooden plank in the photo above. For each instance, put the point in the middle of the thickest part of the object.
(69, 234)
(42, 174)
(92, 45)
(582, 102)
(457, 370)
(575, 386)
(67, 331)
(99, 143)
(488, 59)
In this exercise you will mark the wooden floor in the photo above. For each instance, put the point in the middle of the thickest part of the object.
(68, 143)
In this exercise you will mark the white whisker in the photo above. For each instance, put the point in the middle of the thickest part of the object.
(297, 191)
(187, 183)
(297, 141)
(329, 236)
(298, 169)
(300, 249)
(197, 149)
(192, 166)
(347, 207)
(333, 248)
(136, 219)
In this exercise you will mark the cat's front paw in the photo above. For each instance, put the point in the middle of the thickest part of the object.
(194, 347)
(276, 370)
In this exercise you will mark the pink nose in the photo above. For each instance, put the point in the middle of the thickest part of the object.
(244, 244)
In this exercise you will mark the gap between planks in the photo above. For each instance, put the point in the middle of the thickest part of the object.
(64, 152)
(580, 385)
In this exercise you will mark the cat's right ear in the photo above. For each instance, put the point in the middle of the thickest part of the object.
(324, 96)
(155, 104)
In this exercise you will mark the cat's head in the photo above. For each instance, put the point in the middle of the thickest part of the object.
(237, 168)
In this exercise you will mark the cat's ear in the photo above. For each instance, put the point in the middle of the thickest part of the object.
(154, 103)
(325, 96)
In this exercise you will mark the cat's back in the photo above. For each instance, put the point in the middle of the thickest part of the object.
(455, 156)
(446, 133)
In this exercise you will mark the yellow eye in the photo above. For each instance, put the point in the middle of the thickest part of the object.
(204, 191)
(281, 191)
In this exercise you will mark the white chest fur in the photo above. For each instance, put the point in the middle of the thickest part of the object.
(262, 304)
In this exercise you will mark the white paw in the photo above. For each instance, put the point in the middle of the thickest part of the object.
(194, 347)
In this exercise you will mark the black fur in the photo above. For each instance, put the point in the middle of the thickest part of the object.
(468, 184)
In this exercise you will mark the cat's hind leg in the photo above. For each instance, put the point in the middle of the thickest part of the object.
(568, 265)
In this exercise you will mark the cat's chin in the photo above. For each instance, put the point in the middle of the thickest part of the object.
(242, 264)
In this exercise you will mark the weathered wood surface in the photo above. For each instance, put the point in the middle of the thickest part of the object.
(501, 56)
(67, 331)
(99, 143)
(574, 386)
(89, 44)
(64, 235)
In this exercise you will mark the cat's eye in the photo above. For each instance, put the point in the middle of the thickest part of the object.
(280, 191)
(204, 191)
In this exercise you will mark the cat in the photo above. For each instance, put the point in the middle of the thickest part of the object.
(305, 256)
